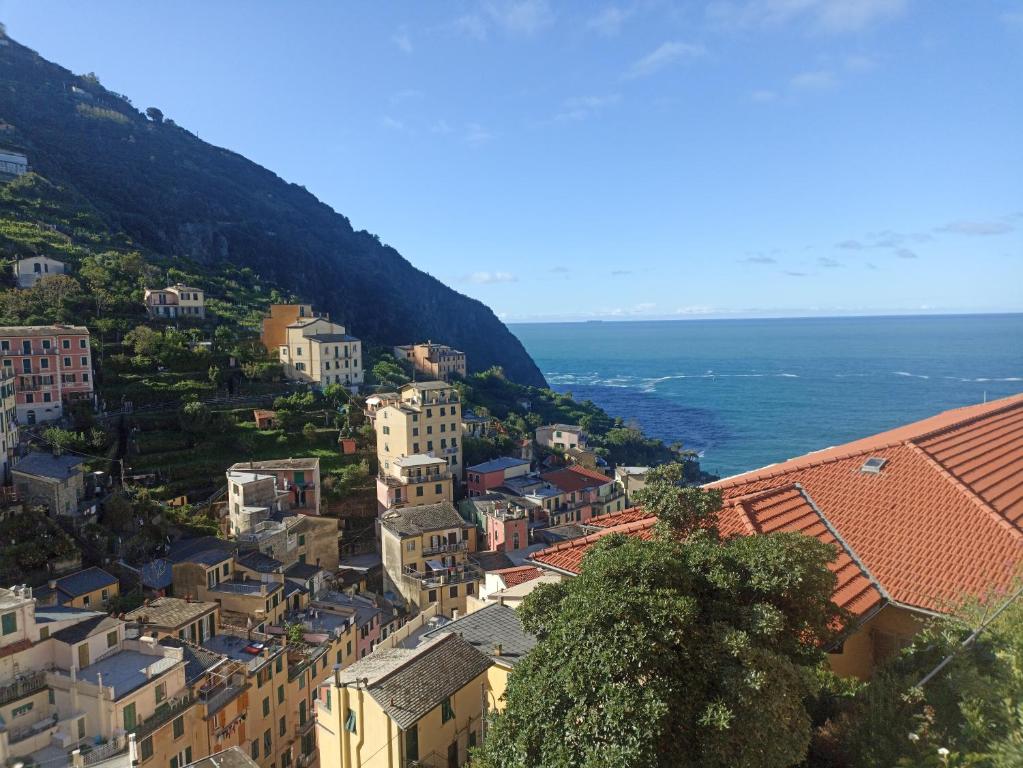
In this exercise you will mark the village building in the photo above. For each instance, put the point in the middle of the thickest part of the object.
(416, 479)
(585, 493)
(12, 163)
(424, 551)
(31, 269)
(561, 437)
(9, 433)
(377, 401)
(175, 302)
(425, 421)
(54, 482)
(481, 478)
(89, 588)
(319, 352)
(52, 366)
(950, 481)
(476, 424)
(630, 480)
(404, 707)
(193, 621)
(436, 361)
(258, 489)
(273, 331)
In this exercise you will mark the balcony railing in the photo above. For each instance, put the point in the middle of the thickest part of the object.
(458, 546)
(456, 574)
(164, 713)
(415, 480)
(20, 687)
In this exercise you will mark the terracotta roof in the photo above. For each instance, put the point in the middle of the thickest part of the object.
(575, 478)
(938, 519)
(520, 574)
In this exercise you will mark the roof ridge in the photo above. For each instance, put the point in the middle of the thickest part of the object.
(844, 544)
(1014, 401)
(413, 657)
(965, 490)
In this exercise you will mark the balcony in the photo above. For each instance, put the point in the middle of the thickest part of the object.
(394, 482)
(445, 548)
(22, 686)
(164, 713)
(456, 574)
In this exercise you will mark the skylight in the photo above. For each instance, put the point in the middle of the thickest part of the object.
(873, 465)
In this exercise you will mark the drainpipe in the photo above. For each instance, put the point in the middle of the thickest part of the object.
(342, 704)
(362, 723)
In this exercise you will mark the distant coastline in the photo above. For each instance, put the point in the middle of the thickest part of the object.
(554, 320)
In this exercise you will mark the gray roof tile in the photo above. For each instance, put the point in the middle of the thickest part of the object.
(489, 627)
(412, 521)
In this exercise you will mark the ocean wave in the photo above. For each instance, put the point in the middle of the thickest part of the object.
(910, 375)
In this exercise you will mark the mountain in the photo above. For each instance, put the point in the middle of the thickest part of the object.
(171, 193)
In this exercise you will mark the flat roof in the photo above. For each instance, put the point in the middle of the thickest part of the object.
(170, 611)
(126, 671)
(502, 462)
(418, 460)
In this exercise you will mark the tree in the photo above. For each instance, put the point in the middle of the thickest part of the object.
(195, 419)
(309, 432)
(684, 650)
(154, 114)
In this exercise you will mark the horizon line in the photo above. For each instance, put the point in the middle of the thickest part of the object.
(717, 316)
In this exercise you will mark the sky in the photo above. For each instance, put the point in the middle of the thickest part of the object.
(627, 160)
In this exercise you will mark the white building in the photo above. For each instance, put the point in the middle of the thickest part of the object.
(176, 301)
(13, 163)
(31, 270)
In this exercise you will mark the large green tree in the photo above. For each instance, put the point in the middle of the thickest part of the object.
(682, 650)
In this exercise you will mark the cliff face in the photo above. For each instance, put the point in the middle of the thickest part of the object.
(179, 196)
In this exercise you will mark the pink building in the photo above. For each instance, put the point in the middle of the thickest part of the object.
(494, 473)
(52, 367)
(507, 529)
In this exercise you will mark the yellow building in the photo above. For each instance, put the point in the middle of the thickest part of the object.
(190, 620)
(416, 479)
(9, 436)
(427, 421)
(88, 588)
(398, 706)
(424, 551)
(320, 352)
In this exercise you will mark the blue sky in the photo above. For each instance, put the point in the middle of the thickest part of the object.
(620, 160)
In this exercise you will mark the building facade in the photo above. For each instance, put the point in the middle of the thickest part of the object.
(319, 352)
(30, 270)
(52, 366)
(561, 437)
(416, 479)
(481, 478)
(437, 361)
(274, 327)
(257, 489)
(176, 301)
(9, 434)
(425, 421)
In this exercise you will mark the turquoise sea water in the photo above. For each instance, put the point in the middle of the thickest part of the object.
(747, 393)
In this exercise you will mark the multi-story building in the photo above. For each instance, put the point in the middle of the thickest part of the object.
(9, 434)
(505, 522)
(176, 301)
(416, 479)
(188, 620)
(13, 163)
(319, 352)
(438, 361)
(561, 437)
(274, 328)
(425, 421)
(585, 493)
(32, 269)
(630, 480)
(52, 481)
(401, 707)
(258, 489)
(52, 365)
(424, 551)
(481, 478)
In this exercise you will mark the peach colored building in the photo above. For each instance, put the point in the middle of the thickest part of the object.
(51, 365)
(275, 324)
(416, 479)
(438, 361)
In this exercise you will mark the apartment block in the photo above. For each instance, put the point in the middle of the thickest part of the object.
(176, 301)
(9, 433)
(437, 361)
(89, 588)
(481, 478)
(52, 366)
(424, 551)
(416, 479)
(30, 270)
(426, 420)
(319, 352)
(183, 619)
(258, 489)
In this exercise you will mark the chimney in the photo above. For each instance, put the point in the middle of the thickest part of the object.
(454, 615)
(337, 675)
(497, 649)
(133, 751)
(52, 583)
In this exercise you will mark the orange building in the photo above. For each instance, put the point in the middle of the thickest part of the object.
(274, 332)
(921, 517)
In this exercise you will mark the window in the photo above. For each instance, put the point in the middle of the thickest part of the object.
(254, 750)
(412, 743)
(161, 692)
(66, 343)
(446, 712)
(432, 596)
(348, 650)
(178, 727)
(280, 694)
(268, 741)
(469, 588)
(147, 748)
(453, 591)
(44, 363)
(419, 490)
(438, 488)
(279, 665)
(411, 546)
(9, 623)
(266, 706)
(83, 344)
(85, 361)
(44, 632)
(67, 362)
(46, 343)
(282, 726)
(24, 709)
(350, 722)
(85, 378)
(326, 694)
(128, 717)
(111, 639)
(301, 540)
(387, 430)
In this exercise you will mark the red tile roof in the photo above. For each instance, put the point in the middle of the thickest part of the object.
(520, 574)
(940, 520)
(575, 478)
(630, 515)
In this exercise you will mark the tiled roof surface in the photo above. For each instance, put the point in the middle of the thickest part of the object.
(255, 560)
(575, 478)
(412, 521)
(409, 684)
(489, 627)
(198, 660)
(611, 519)
(491, 560)
(520, 574)
(170, 611)
(47, 465)
(85, 581)
(83, 629)
(938, 521)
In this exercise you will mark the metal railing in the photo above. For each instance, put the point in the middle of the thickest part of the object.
(458, 546)
(164, 713)
(456, 574)
(26, 685)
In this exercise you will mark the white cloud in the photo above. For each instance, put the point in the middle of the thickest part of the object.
(441, 127)
(644, 307)
(470, 25)
(764, 96)
(827, 261)
(491, 278)
(476, 134)
(696, 309)
(521, 17)
(906, 253)
(813, 81)
(663, 56)
(402, 39)
(395, 125)
(582, 107)
(609, 21)
(860, 63)
(831, 16)
(978, 227)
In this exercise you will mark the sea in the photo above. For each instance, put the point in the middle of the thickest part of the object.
(752, 392)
